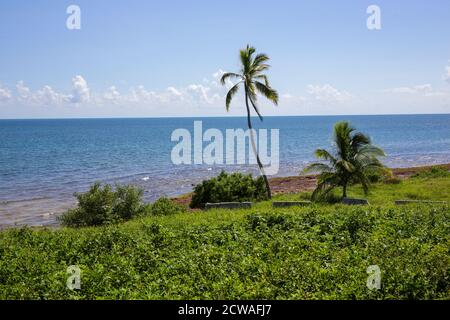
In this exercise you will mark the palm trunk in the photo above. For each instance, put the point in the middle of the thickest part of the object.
(252, 139)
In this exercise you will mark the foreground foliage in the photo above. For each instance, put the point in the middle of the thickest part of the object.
(318, 252)
(321, 252)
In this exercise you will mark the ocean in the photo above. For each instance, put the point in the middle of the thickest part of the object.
(44, 162)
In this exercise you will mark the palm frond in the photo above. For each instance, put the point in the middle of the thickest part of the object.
(325, 155)
(358, 140)
(371, 151)
(267, 92)
(317, 167)
(260, 58)
(263, 77)
(230, 95)
(246, 58)
(346, 165)
(256, 70)
(342, 139)
(232, 75)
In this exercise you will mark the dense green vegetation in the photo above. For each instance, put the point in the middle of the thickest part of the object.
(317, 252)
(229, 187)
(434, 172)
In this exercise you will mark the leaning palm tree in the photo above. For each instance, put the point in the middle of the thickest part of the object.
(254, 81)
(353, 159)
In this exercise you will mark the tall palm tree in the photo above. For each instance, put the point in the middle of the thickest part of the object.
(254, 81)
(353, 158)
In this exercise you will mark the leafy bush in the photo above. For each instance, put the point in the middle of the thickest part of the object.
(433, 172)
(103, 205)
(164, 206)
(229, 187)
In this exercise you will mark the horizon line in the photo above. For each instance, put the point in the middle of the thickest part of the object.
(225, 116)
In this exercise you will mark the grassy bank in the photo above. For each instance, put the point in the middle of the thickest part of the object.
(318, 252)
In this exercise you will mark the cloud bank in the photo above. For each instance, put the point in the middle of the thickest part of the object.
(207, 98)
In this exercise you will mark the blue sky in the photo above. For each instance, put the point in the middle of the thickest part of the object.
(163, 58)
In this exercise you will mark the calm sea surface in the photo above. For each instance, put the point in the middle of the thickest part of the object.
(43, 162)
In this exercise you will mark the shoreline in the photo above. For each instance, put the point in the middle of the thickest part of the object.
(280, 185)
(302, 183)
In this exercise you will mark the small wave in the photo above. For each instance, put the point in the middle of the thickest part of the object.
(145, 178)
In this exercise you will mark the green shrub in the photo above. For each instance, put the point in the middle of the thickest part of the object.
(229, 187)
(128, 202)
(103, 205)
(433, 172)
(164, 206)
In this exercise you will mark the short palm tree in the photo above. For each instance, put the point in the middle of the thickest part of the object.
(254, 81)
(353, 159)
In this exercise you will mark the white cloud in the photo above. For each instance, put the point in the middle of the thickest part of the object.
(48, 96)
(418, 89)
(195, 96)
(328, 94)
(80, 91)
(5, 94)
(23, 91)
(174, 92)
(112, 95)
(208, 98)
